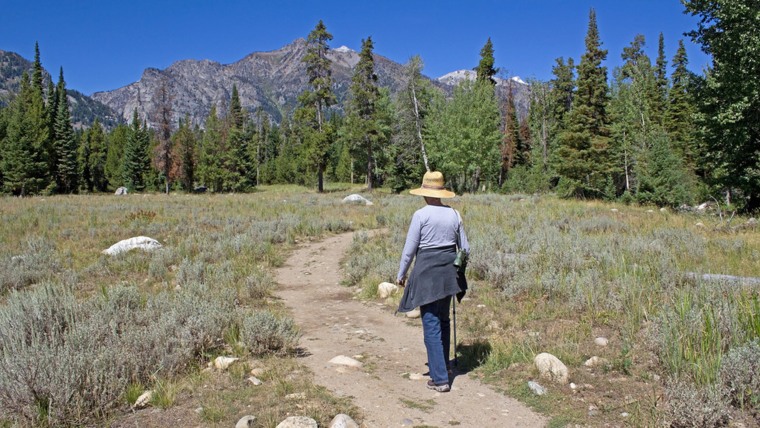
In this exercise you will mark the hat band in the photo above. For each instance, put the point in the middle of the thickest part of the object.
(427, 186)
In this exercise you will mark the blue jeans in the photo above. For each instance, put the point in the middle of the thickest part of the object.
(437, 332)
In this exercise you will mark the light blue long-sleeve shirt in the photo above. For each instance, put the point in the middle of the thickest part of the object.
(432, 226)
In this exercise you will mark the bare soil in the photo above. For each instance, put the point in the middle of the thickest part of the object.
(388, 387)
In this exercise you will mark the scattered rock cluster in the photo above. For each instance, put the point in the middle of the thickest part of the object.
(551, 369)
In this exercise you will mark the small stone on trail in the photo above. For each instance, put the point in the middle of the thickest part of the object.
(550, 367)
(222, 363)
(345, 361)
(407, 422)
(536, 388)
(343, 421)
(258, 371)
(601, 341)
(298, 422)
(143, 399)
(595, 362)
(296, 396)
(138, 242)
(386, 289)
(414, 313)
(254, 380)
(245, 422)
(356, 199)
(416, 376)
(199, 410)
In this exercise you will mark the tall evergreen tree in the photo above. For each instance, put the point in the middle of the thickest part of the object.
(362, 110)
(185, 144)
(92, 159)
(238, 163)
(485, 70)
(512, 151)
(65, 143)
(581, 160)
(163, 159)
(116, 142)
(562, 94)
(729, 30)
(680, 112)
(210, 160)
(136, 159)
(25, 161)
(660, 95)
(320, 78)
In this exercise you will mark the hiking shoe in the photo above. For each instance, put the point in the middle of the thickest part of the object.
(444, 387)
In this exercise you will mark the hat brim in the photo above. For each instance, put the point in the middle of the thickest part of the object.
(432, 193)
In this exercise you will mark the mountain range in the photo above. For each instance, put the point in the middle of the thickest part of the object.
(270, 81)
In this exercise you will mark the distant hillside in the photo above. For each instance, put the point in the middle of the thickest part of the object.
(271, 81)
(84, 109)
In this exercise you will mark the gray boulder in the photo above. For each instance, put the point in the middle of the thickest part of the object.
(120, 191)
(298, 422)
(356, 199)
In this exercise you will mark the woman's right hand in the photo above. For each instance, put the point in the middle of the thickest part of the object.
(401, 282)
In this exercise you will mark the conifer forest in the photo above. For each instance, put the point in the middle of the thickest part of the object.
(650, 131)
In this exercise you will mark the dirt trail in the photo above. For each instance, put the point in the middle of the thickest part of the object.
(334, 323)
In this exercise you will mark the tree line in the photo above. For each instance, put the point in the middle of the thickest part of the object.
(653, 133)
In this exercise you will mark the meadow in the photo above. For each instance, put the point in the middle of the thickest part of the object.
(82, 334)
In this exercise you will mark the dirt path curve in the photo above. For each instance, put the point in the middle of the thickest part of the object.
(334, 323)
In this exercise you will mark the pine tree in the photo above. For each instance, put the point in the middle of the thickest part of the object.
(320, 78)
(581, 159)
(210, 171)
(730, 31)
(511, 148)
(136, 162)
(362, 110)
(660, 95)
(65, 143)
(163, 159)
(485, 70)
(237, 163)
(185, 144)
(680, 110)
(93, 158)
(562, 94)
(25, 161)
(116, 141)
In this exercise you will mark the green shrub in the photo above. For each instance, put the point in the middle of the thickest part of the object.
(69, 363)
(740, 375)
(39, 262)
(264, 333)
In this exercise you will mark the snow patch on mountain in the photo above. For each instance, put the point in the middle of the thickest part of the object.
(344, 48)
(457, 76)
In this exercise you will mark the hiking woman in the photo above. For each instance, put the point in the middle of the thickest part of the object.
(435, 234)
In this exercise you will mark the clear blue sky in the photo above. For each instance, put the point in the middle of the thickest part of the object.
(106, 44)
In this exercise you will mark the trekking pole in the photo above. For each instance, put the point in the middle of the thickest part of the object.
(455, 330)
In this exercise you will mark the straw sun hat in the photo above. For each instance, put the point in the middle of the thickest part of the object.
(432, 186)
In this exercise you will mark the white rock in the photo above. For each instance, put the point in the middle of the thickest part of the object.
(257, 371)
(614, 210)
(601, 341)
(356, 199)
(296, 396)
(245, 422)
(139, 242)
(343, 421)
(386, 289)
(254, 380)
(222, 363)
(536, 388)
(121, 191)
(298, 422)
(414, 313)
(199, 410)
(343, 360)
(595, 362)
(699, 224)
(573, 386)
(416, 376)
(551, 368)
(663, 210)
(650, 211)
(143, 399)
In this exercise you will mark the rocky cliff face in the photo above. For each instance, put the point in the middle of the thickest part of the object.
(271, 81)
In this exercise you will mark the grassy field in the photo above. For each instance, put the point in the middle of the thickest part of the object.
(82, 334)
